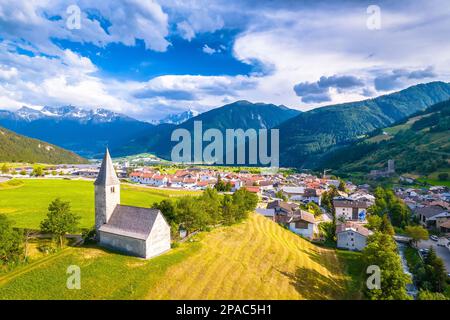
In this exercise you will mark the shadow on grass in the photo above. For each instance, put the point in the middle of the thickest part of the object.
(313, 285)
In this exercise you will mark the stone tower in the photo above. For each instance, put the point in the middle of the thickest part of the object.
(107, 191)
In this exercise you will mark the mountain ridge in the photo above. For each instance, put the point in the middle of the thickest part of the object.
(19, 148)
(308, 136)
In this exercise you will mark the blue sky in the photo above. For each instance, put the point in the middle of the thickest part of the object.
(151, 58)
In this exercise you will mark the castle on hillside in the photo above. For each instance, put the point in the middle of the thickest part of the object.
(136, 231)
(385, 172)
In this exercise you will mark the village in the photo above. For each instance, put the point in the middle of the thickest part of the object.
(290, 199)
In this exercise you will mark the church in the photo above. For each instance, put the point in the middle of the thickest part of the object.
(135, 231)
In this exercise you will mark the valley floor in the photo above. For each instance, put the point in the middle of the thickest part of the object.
(256, 259)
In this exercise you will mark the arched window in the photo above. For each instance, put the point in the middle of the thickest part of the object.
(113, 190)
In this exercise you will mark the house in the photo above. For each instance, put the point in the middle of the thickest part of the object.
(293, 193)
(350, 209)
(445, 227)
(282, 207)
(426, 215)
(352, 236)
(303, 223)
(268, 213)
(136, 231)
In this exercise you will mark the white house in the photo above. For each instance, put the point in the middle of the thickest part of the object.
(350, 209)
(136, 231)
(352, 236)
(303, 223)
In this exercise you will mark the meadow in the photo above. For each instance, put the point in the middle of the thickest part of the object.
(26, 201)
(256, 259)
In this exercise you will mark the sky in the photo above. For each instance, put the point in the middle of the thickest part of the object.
(150, 58)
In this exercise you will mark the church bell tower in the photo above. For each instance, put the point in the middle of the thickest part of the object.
(107, 191)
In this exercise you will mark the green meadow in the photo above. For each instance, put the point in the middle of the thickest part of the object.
(255, 259)
(26, 201)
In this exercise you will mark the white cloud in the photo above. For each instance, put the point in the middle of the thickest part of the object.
(299, 43)
(206, 49)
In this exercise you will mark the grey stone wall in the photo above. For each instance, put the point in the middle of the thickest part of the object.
(131, 246)
(105, 203)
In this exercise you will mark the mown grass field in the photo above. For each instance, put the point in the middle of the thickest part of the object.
(26, 201)
(256, 259)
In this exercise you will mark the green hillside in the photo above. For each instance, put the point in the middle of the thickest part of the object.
(420, 144)
(256, 259)
(307, 137)
(18, 148)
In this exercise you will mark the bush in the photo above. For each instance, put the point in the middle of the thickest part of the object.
(89, 236)
(443, 176)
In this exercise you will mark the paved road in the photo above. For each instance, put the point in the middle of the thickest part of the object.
(442, 252)
(3, 179)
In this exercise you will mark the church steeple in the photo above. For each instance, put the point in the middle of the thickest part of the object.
(107, 175)
(107, 191)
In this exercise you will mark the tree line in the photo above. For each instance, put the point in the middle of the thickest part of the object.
(210, 209)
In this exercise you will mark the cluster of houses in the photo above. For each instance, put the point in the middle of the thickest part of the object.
(430, 206)
(350, 209)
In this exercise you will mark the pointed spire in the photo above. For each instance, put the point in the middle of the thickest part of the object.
(107, 175)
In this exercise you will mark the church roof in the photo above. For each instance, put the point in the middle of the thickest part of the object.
(131, 222)
(107, 175)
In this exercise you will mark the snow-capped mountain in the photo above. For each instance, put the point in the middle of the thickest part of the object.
(178, 118)
(69, 112)
(84, 131)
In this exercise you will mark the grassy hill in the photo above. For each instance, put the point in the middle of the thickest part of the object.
(256, 259)
(26, 201)
(419, 144)
(18, 148)
(304, 139)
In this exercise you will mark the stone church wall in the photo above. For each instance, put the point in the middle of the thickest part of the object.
(131, 246)
(159, 239)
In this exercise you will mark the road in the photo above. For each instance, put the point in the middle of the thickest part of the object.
(442, 252)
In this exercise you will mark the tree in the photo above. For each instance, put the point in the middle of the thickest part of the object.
(381, 251)
(191, 214)
(327, 230)
(279, 194)
(341, 186)
(11, 241)
(167, 208)
(416, 233)
(212, 204)
(387, 203)
(38, 171)
(435, 271)
(4, 169)
(428, 295)
(220, 185)
(443, 176)
(314, 209)
(228, 210)
(60, 220)
(245, 202)
(374, 222)
(327, 199)
(386, 226)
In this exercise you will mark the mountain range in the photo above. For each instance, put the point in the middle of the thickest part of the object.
(306, 138)
(240, 114)
(417, 144)
(177, 118)
(309, 136)
(85, 132)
